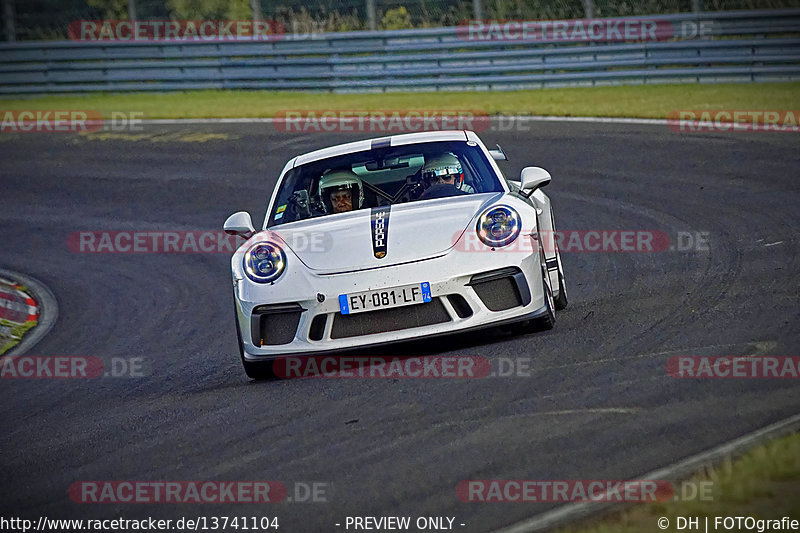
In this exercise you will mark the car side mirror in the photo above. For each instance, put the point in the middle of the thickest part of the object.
(239, 224)
(499, 154)
(532, 178)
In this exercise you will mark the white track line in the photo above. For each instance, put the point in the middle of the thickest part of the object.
(677, 471)
(532, 118)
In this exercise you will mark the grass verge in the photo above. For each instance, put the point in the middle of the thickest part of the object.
(11, 334)
(763, 484)
(645, 101)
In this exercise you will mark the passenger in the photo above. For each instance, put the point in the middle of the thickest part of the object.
(338, 189)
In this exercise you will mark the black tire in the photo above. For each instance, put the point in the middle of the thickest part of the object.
(561, 301)
(258, 371)
(549, 319)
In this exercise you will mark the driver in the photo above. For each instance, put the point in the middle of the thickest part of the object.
(445, 169)
(339, 189)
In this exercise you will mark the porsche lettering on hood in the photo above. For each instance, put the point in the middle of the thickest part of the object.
(380, 228)
(361, 239)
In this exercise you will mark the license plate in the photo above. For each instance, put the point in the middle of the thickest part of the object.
(359, 302)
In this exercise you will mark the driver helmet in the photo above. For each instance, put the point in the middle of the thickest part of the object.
(341, 180)
(443, 166)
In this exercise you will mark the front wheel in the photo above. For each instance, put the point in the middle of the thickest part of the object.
(259, 371)
(561, 300)
(549, 319)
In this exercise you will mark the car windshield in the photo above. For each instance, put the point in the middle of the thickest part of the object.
(383, 177)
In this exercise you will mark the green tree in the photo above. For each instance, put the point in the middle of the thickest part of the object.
(112, 9)
(210, 9)
(396, 18)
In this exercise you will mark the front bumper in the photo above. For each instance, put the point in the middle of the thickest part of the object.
(468, 290)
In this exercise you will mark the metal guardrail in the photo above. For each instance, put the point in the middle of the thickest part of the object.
(737, 46)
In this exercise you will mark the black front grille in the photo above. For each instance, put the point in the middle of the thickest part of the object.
(384, 320)
(271, 325)
(317, 329)
(501, 289)
(460, 305)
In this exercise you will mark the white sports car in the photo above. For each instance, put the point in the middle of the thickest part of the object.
(391, 239)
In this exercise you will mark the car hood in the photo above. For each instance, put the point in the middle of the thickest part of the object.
(415, 231)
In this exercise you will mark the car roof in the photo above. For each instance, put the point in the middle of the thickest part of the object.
(379, 142)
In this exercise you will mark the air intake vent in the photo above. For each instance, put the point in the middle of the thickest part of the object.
(501, 289)
(271, 325)
(460, 305)
(317, 329)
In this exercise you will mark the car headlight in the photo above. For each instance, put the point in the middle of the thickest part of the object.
(264, 262)
(498, 226)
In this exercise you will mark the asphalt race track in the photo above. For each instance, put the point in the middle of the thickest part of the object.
(597, 402)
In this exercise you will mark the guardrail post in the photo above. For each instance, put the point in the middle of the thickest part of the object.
(8, 16)
(255, 9)
(372, 17)
(477, 9)
(588, 9)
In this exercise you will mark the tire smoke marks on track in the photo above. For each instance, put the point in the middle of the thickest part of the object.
(156, 137)
(736, 120)
(734, 367)
(72, 367)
